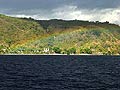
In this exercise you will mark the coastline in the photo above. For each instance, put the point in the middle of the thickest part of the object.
(57, 55)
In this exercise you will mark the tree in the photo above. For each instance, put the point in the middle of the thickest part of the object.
(57, 50)
(68, 52)
(86, 51)
(72, 50)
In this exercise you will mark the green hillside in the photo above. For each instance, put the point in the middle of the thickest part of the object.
(29, 36)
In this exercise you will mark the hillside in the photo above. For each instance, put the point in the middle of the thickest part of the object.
(29, 36)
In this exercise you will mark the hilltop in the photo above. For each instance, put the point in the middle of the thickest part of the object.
(29, 36)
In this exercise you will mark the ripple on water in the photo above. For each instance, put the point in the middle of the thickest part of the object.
(60, 73)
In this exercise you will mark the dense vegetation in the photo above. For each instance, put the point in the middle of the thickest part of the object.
(29, 36)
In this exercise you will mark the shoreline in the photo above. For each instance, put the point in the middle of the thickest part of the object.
(55, 55)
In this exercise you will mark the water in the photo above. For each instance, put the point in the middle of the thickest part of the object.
(59, 72)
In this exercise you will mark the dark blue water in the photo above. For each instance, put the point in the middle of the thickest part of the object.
(59, 72)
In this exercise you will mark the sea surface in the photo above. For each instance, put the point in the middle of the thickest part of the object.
(47, 72)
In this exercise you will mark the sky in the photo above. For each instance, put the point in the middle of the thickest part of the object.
(91, 10)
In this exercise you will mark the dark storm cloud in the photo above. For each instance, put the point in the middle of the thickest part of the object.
(50, 4)
(91, 4)
(32, 4)
(100, 10)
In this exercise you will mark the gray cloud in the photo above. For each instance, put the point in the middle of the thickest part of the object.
(101, 10)
(50, 4)
(69, 12)
(99, 4)
(32, 4)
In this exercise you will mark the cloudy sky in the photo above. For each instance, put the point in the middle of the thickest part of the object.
(92, 10)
